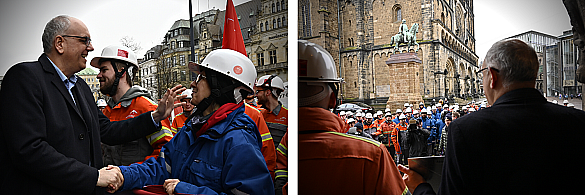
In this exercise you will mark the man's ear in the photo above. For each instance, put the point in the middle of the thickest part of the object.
(332, 100)
(493, 78)
(58, 43)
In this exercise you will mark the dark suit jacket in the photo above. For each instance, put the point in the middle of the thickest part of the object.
(47, 142)
(521, 145)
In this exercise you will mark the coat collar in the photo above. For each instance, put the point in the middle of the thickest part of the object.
(521, 96)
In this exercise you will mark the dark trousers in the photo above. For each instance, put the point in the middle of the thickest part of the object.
(392, 152)
(403, 158)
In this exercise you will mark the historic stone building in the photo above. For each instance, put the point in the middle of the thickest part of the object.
(269, 46)
(362, 45)
(147, 76)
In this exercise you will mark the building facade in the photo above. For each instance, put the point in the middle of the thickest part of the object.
(359, 34)
(89, 76)
(268, 47)
(148, 70)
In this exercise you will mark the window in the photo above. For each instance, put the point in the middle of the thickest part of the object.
(277, 6)
(182, 60)
(397, 13)
(176, 32)
(260, 57)
(266, 24)
(183, 75)
(273, 23)
(283, 21)
(272, 56)
(174, 61)
(282, 5)
(278, 21)
(261, 26)
(180, 44)
(273, 8)
(173, 45)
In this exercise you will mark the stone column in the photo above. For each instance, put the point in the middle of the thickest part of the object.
(404, 80)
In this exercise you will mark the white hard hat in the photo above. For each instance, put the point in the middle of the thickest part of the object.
(342, 113)
(406, 105)
(398, 111)
(408, 110)
(387, 110)
(565, 101)
(270, 81)
(421, 103)
(348, 113)
(351, 120)
(232, 64)
(116, 52)
(101, 103)
(316, 64)
(369, 115)
(380, 113)
(187, 92)
(433, 108)
(401, 117)
(424, 111)
(388, 114)
(429, 112)
(571, 105)
(415, 111)
(359, 114)
(555, 102)
(472, 109)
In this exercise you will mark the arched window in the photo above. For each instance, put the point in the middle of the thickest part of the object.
(282, 5)
(278, 21)
(261, 26)
(277, 6)
(397, 9)
(273, 8)
(283, 21)
(266, 24)
(273, 24)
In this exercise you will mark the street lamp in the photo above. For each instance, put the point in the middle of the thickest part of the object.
(444, 72)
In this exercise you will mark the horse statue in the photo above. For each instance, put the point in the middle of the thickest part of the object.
(410, 38)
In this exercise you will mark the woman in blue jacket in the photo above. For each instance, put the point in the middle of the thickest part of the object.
(218, 149)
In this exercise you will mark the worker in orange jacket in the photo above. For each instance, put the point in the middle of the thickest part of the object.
(387, 127)
(330, 161)
(118, 66)
(179, 120)
(268, 88)
(281, 166)
(268, 149)
(399, 139)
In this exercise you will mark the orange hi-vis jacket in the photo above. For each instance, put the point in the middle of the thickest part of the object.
(277, 122)
(268, 149)
(281, 163)
(332, 162)
(387, 127)
(373, 125)
(132, 104)
(394, 136)
(178, 122)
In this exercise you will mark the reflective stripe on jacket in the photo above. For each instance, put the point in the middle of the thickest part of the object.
(268, 149)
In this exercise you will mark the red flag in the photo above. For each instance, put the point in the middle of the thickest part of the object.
(232, 34)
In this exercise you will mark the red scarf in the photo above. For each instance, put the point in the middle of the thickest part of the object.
(218, 116)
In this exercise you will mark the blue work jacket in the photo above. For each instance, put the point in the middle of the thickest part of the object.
(226, 159)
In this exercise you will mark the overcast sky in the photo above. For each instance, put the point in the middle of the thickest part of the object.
(22, 22)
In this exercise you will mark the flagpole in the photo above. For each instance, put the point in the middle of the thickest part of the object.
(192, 41)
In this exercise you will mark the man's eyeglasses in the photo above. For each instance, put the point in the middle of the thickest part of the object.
(85, 40)
(199, 77)
(257, 91)
(481, 70)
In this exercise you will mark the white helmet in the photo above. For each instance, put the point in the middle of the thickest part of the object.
(423, 111)
(369, 115)
(387, 110)
(316, 64)
(415, 111)
(273, 81)
(101, 103)
(429, 112)
(342, 113)
(565, 101)
(359, 114)
(351, 120)
(116, 52)
(388, 114)
(402, 116)
(406, 105)
(408, 110)
(233, 64)
(398, 110)
(187, 92)
(379, 113)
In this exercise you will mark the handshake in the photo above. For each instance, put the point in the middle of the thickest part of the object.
(110, 177)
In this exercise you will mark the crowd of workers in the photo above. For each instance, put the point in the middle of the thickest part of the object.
(409, 131)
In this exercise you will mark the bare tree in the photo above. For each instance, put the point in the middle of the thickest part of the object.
(131, 43)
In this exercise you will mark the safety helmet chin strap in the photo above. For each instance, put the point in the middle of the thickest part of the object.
(116, 80)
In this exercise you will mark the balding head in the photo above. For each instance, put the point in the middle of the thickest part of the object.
(516, 61)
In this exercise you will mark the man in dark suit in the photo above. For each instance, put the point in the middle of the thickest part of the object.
(51, 127)
(512, 147)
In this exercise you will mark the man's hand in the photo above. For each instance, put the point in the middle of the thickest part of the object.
(167, 103)
(170, 185)
(411, 178)
(110, 177)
